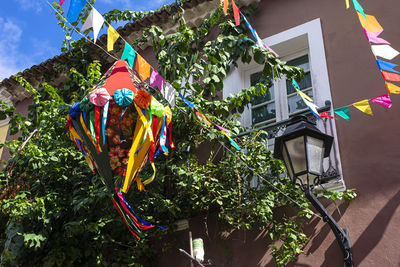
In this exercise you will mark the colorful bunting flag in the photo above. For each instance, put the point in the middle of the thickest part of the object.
(326, 115)
(61, 2)
(303, 95)
(385, 51)
(190, 104)
(364, 106)
(170, 94)
(95, 20)
(295, 85)
(226, 3)
(129, 54)
(343, 112)
(347, 4)
(390, 76)
(370, 23)
(373, 37)
(383, 100)
(75, 8)
(157, 80)
(236, 12)
(384, 65)
(142, 68)
(112, 37)
(359, 8)
(312, 107)
(392, 89)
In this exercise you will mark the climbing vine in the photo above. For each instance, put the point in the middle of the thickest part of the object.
(54, 211)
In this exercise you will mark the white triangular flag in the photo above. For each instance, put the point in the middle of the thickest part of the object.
(95, 20)
(169, 94)
(385, 51)
(312, 107)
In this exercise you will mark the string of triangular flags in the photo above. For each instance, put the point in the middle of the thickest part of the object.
(237, 14)
(380, 48)
(146, 72)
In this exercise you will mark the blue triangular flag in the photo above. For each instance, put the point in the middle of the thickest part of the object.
(75, 9)
(190, 104)
(384, 65)
(295, 85)
(129, 54)
(343, 112)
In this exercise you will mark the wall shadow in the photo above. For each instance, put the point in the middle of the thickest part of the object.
(375, 230)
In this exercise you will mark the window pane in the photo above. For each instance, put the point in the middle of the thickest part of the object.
(301, 62)
(263, 113)
(257, 78)
(295, 103)
(305, 83)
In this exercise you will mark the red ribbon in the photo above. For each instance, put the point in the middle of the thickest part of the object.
(115, 206)
(171, 143)
(153, 147)
(97, 124)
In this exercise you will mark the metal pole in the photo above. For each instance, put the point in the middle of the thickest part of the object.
(191, 247)
(192, 258)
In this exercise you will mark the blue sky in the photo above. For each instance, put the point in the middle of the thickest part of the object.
(29, 33)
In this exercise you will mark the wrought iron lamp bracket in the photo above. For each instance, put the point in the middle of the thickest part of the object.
(341, 235)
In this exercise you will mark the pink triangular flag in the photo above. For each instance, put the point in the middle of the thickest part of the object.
(61, 2)
(383, 100)
(157, 80)
(373, 37)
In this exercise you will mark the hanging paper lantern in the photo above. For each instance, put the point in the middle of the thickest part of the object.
(118, 127)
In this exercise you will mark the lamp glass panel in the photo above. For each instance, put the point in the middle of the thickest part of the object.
(287, 163)
(297, 153)
(315, 148)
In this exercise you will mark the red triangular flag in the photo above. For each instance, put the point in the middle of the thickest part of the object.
(390, 76)
(325, 115)
(61, 2)
(236, 13)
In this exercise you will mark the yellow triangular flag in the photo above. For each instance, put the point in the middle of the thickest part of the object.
(112, 37)
(364, 106)
(392, 89)
(142, 68)
(370, 23)
(304, 96)
(347, 4)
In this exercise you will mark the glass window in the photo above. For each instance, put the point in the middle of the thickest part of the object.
(270, 108)
(263, 107)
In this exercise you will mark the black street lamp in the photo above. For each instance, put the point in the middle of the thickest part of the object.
(302, 148)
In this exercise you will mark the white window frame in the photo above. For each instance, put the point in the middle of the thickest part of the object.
(280, 91)
(306, 37)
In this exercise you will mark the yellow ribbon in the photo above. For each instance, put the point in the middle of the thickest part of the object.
(139, 183)
(130, 170)
(145, 123)
(87, 132)
(146, 182)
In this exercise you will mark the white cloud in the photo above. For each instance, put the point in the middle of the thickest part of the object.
(10, 36)
(37, 6)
